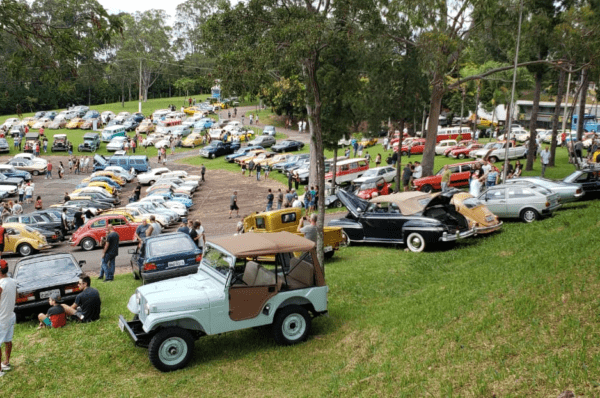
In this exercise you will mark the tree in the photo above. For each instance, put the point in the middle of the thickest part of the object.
(187, 29)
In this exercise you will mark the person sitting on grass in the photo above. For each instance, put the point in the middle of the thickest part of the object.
(56, 317)
(86, 307)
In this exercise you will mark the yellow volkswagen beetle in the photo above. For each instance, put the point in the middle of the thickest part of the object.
(108, 174)
(23, 240)
(478, 215)
(192, 140)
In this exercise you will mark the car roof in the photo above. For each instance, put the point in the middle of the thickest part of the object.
(252, 245)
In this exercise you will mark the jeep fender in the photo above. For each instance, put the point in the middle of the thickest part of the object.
(187, 322)
(298, 300)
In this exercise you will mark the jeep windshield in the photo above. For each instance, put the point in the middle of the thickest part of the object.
(216, 259)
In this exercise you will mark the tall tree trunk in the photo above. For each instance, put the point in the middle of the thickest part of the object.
(334, 165)
(399, 162)
(584, 89)
(533, 122)
(556, 116)
(434, 116)
(316, 146)
(474, 128)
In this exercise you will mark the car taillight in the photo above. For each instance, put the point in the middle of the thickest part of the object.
(72, 289)
(54, 236)
(25, 297)
(547, 204)
(149, 266)
(199, 258)
(579, 191)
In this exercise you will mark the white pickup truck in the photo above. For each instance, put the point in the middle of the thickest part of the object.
(498, 152)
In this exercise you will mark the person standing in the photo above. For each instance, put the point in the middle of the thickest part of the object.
(8, 318)
(378, 160)
(183, 228)
(49, 171)
(446, 176)
(475, 184)
(417, 172)
(61, 170)
(202, 172)
(201, 236)
(156, 230)
(28, 193)
(45, 143)
(270, 198)
(258, 170)
(64, 223)
(545, 159)
(233, 205)
(110, 252)
(406, 174)
(310, 230)
(133, 145)
(279, 199)
(578, 151)
(78, 218)
(21, 193)
(136, 192)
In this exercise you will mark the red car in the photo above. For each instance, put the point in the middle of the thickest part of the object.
(415, 147)
(461, 172)
(373, 187)
(90, 234)
(461, 153)
(462, 144)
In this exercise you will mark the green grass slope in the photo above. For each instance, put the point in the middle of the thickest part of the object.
(512, 314)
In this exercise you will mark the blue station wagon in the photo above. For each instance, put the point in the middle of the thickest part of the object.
(165, 256)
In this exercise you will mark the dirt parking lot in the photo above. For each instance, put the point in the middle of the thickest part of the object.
(211, 204)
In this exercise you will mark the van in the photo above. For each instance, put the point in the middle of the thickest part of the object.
(141, 163)
(166, 126)
(348, 170)
(453, 133)
(111, 132)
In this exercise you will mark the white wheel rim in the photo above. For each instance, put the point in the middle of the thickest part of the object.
(172, 351)
(415, 242)
(293, 327)
(25, 250)
(529, 215)
(88, 245)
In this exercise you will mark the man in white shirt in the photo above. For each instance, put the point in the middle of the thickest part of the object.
(418, 171)
(297, 203)
(486, 167)
(545, 159)
(8, 318)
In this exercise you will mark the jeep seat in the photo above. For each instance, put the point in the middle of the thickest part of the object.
(250, 273)
(301, 274)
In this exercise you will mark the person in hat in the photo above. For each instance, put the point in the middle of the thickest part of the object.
(56, 317)
(8, 318)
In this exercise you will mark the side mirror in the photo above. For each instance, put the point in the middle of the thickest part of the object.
(82, 263)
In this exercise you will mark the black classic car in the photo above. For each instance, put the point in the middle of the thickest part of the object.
(288, 145)
(38, 277)
(402, 218)
(589, 179)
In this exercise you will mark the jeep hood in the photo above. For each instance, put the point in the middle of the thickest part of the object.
(181, 294)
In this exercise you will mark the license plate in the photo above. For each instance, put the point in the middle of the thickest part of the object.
(327, 249)
(49, 293)
(121, 325)
(177, 263)
(489, 218)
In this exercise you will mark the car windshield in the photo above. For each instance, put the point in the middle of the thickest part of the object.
(217, 260)
(370, 173)
(471, 203)
(176, 244)
(39, 270)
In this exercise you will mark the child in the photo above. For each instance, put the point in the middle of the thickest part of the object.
(38, 203)
(56, 316)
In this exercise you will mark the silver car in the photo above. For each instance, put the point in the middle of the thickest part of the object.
(387, 172)
(263, 140)
(568, 192)
(527, 202)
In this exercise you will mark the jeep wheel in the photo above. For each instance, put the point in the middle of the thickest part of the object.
(88, 244)
(171, 349)
(415, 242)
(291, 325)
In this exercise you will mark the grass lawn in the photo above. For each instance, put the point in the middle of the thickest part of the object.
(512, 314)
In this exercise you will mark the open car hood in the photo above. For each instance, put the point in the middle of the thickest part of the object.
(353, 203)
(101, 160)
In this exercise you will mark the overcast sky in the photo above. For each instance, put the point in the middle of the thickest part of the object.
(116, 6)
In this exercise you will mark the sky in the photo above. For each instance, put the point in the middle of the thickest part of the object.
(116, 6)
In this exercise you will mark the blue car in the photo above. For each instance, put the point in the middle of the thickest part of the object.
(165, 256)
(241, 152)
(176, 197)
(10, 171)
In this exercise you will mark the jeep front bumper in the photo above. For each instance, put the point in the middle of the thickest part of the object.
(135, 331)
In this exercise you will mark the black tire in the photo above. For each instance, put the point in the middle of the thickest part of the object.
(339, 204)
(461, 155)
(212, 156)
(135, 276)
(329, 255)
(427, 188)
(415, 242)
(151, 182)
(25, 249)
(404, 153)
(529, 215)
(88, 244)
(493, 159)
(35, 172)
(292, 325)
(171, 349)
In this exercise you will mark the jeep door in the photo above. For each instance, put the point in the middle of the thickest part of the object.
(248, 297)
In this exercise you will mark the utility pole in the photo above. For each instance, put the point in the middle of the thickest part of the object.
(564, 121)
(140, 102)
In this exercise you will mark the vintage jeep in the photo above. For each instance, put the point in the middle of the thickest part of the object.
(60, 143)
(91, 143)
(233, 290)
(287, 220)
